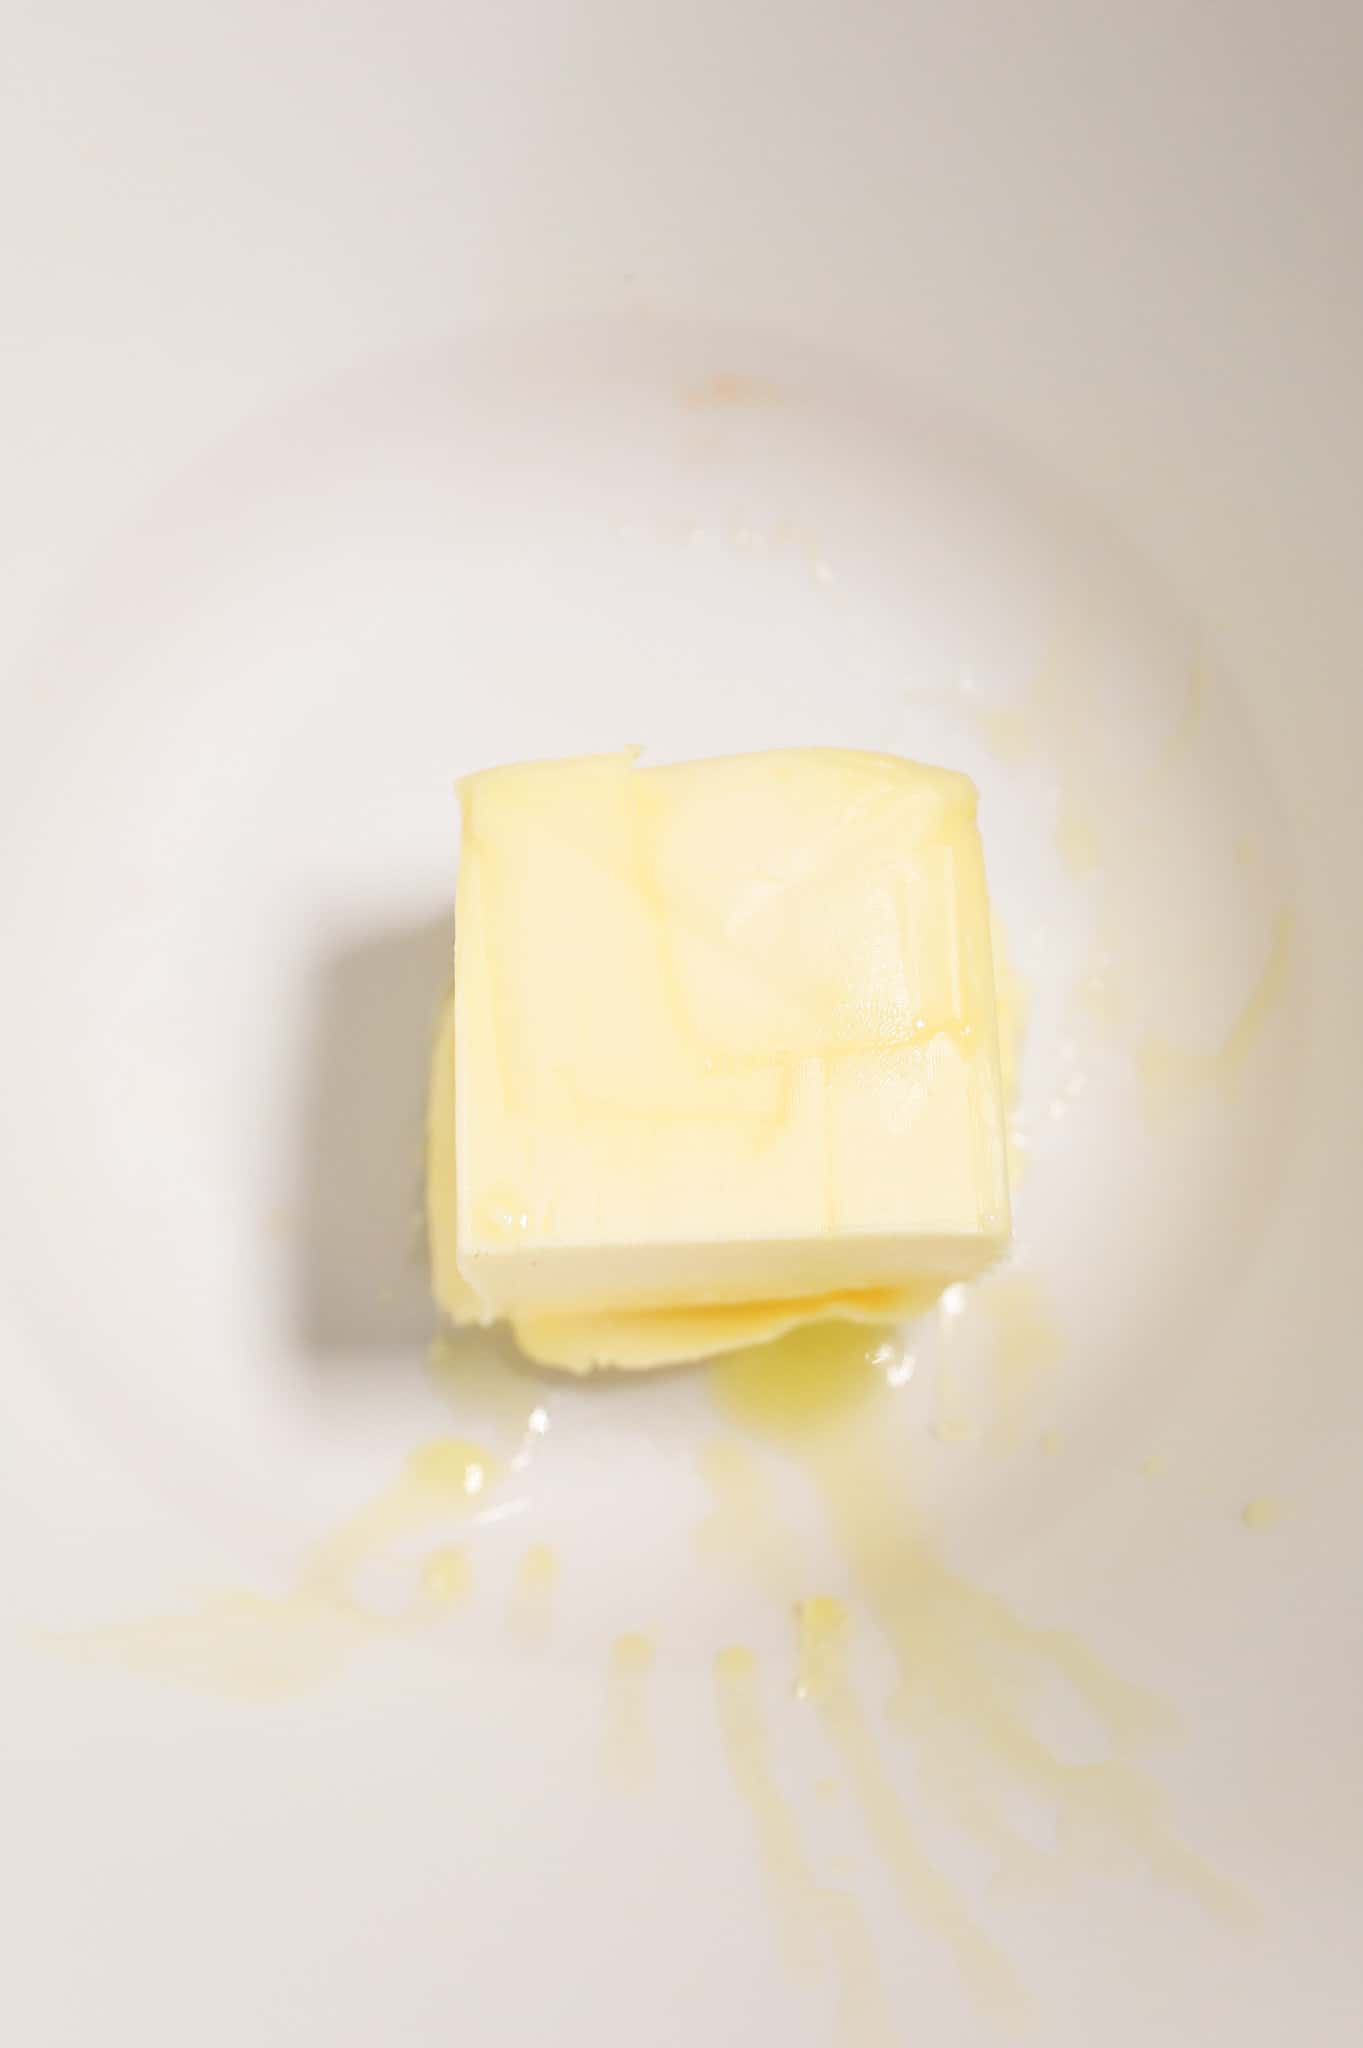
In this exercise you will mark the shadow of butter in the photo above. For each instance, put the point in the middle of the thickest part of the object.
(361, 1280)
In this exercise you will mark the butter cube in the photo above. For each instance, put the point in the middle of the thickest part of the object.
(723, 1033)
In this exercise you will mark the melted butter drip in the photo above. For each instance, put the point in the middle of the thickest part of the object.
(970, 1670)
(629, 1733)
(808, 1914)
(252, 1646)
(927, 1896)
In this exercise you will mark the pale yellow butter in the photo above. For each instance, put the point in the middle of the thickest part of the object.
(725, 1054)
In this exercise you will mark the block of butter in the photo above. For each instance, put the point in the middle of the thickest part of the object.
(722, 1054)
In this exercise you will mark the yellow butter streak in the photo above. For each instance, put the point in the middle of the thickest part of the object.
(970, 1670)
(809, 1915)
(929, 1898)
(252, 1646)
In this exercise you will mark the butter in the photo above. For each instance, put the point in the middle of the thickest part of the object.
(637, 1338)
(722, 1055)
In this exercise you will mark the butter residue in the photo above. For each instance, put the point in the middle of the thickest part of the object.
(969, 1667)
(252, 1646)
(810, 1915)
(823, 1630)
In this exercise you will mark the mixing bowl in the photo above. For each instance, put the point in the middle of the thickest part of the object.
(392, 392)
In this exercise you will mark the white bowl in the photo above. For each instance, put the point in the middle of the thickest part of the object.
(391, 394)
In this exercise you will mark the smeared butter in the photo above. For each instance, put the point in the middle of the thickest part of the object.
(722, 1055)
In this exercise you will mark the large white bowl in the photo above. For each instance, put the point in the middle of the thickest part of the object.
(388, 392)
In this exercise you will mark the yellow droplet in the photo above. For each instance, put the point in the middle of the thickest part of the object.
(631, 1656)
(452, 1468)
(539, 1569)
(809, 1380)
(822, 1630)
(1262, 1512)
(445, 1576)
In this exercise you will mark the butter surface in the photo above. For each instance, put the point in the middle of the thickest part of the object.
(724, 1052)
